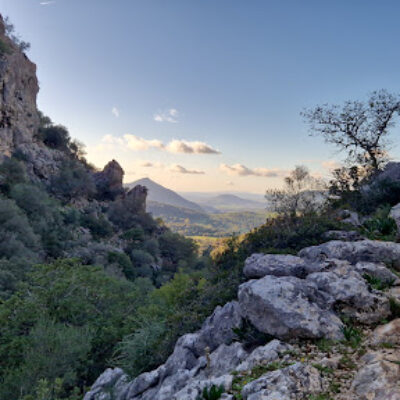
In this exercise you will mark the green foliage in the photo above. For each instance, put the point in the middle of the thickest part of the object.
(76, 312)
(352, 335)
(289, 234)
(380, 225)
(212, 393)
(175, 248)
(4, 48)
(74, 181)
(377, 283)
(12, 172)
(99, 227)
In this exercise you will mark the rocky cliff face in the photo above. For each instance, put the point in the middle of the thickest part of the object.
(18, 90)
(296, 300)
(19, 118)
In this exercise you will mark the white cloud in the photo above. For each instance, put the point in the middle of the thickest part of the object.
(136, 143)
(170, 115)
(182, 170)
(115, 112)
(242, 170)
(183, 146)
(47, 3)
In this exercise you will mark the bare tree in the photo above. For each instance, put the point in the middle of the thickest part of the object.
(359, 128)
(301, 194)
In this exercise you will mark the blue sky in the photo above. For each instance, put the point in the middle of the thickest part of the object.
(206, 95)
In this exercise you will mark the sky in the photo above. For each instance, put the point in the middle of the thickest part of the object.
(206, 95)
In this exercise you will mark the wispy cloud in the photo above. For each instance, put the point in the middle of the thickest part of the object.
(182, 170)
(242, 170)
(183, 146)
(115, 112)
(137, 143)
(170, 115)
(47, 3)
(150, 164)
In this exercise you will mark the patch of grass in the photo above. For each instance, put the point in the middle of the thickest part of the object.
(387, 345)
(323, 370)
(377, 283)
(325, 345)
(321, 396)
(347, 363)
(352, 335)
(334, 387)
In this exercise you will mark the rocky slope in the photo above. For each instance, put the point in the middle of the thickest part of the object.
(323, 310)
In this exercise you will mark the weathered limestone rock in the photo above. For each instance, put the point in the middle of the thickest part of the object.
(350, 217)
(135, 199)
(377, 270)
(112, 384)
(288, 307)
(364, 250)
(263, 355)
(260, 265)
(388, 333)
(297, 381)
(395, 214)
(109, 181)
(378, 379)
(351, 294)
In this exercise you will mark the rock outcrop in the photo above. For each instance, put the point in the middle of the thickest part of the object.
(290, 298)
(109, 181)
(19, 117)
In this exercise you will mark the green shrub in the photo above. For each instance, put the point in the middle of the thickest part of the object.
(99, 227)
(12, 172)
(65, 320)
(212, 393)
(4, 48)
(74, 181)
(380, 225)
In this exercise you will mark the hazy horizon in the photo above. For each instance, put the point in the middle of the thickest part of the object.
(205, 97)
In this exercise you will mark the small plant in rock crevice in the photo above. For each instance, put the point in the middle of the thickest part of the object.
(212, 393)
(378, 284)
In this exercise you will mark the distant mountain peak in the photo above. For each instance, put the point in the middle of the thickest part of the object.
(161, 194)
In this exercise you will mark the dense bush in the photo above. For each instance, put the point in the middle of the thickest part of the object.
(74, 181)
(12, 172)
(64, 323)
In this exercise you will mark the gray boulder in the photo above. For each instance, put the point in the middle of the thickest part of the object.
(395, 214)
(112, 384)
(288, 307)
(351, 294)
(377, 270)
(263, 355)
(218, 327)
(260, 265)
(297, 381)
(364, 250)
